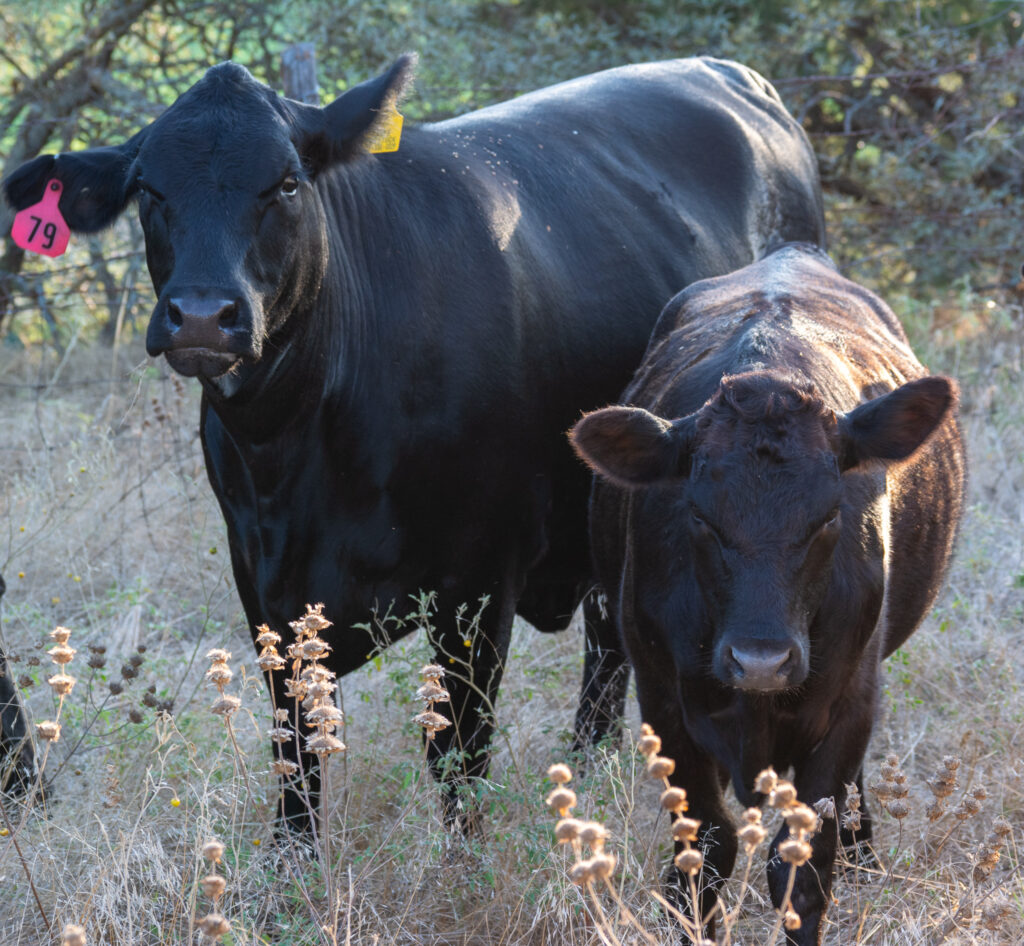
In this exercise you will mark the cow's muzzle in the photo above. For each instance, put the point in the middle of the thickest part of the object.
(201, 333)
(761, 664)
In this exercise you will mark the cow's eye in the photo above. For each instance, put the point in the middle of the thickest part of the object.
(290, 186)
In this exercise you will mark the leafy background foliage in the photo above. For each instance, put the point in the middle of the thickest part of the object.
(913, 107)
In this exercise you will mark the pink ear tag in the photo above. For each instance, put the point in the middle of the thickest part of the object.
(41, 228)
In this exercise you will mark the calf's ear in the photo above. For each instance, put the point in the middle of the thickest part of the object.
(893, 426)
(337, 131)
(632, 447)
(97, 184)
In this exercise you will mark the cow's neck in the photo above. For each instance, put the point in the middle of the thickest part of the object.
(328, 355)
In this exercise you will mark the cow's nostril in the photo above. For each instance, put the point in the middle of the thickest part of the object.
(174, 314)
(227, 316)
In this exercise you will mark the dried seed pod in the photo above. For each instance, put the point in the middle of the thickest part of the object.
(660, 766)
(898, 808)
(751, 835)
(313, 621)
(752, 815)
(128, 672)
(213, 851)
(281, 734)
(801, 819)
(431, 722)
(135, 715)
(61, 683)
(226, 706)
(581, 873)
(323, 743)
(689, 861)
(593, 834)
(97, 661)
(325, 714)
(685, 829)
(283, 767)
(270, 660)
(432, 692)
(602, 865)
(320, 690)
(149, 699)
(60, 634)
(560, 773)
(219, 675)
(213, 886)
(649, 742)
(791, 920)
(72, 935)
(783, 795)
(267, 637)
(214, 925)
(561, 801)
(432, 672)
(116, 687)
(794, 851)
(826, 809)
(61, 654)
(315, 649)
(766, 781)
(48, 730)
(674, 799)
(881, 790)
(567, 830)
(26, 682)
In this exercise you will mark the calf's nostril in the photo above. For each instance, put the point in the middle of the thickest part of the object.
(174, 314)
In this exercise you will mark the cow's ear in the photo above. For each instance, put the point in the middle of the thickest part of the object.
(891, 427)
(632, 447)
(97, 184)
(339, 130)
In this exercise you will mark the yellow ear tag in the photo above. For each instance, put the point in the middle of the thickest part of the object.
(388, 133)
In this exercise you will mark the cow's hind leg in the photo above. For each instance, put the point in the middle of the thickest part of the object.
(17, 756)
(472, 652)
(605, 675)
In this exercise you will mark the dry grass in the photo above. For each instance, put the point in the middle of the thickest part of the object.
(110, 521)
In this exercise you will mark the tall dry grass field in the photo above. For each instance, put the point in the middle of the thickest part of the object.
(109, 529)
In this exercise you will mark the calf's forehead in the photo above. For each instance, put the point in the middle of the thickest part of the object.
(748, 494)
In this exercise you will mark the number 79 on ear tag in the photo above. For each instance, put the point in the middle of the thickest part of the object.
(41, 228)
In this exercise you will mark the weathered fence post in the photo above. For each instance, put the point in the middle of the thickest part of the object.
(298, 72)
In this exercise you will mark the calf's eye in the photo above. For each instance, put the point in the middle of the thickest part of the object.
(290, 186)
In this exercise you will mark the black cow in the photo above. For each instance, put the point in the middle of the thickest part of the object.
(392, 345)
(773, 514)
(17, 754)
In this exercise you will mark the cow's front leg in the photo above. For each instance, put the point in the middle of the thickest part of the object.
(472, 653)
(605, 675)
(299, 771)
(835, 763)
(699, 775)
